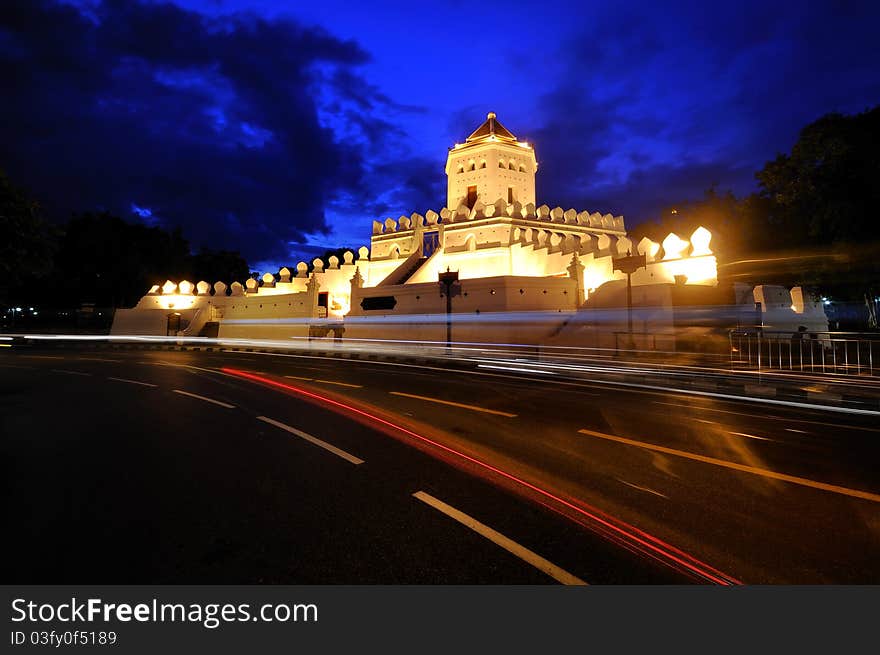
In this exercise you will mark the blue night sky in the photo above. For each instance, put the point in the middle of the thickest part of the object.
(282, 128)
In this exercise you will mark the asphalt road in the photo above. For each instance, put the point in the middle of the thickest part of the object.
(197, 467)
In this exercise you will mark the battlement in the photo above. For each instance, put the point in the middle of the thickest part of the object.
(508, 249)
(499, 209)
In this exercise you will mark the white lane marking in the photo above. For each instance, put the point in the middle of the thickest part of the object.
(750, 436)
(207, 400)
(143, 384)
(60, 370)
(341, 384)
(529, 556)
(313, 440)
(703, 420)
(98, 359)
(798, 431)
(297, 377)
(635, 486)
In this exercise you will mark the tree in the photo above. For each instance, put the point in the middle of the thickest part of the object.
(811, 223)
(826, 191)
(223, 265)
(722, 213)
(27, 241)
(824, 197)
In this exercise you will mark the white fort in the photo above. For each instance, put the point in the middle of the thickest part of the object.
(511, 256)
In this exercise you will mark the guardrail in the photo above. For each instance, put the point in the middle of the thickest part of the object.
(844, 353)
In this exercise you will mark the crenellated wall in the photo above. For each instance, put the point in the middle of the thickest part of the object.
(510, 256)
(543, 245)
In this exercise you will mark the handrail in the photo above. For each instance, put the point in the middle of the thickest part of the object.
(846, 353)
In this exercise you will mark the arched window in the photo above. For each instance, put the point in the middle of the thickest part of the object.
(500, 164)
(483, 164)
(522, 169)
(473, 167)
(512, 166)
(461, 168)
(470, 243)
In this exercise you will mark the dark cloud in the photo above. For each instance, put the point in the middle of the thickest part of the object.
(657, 103)
(215, 124)
(265, 135)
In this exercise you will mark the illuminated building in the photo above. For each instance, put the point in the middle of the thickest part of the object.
(511, 256)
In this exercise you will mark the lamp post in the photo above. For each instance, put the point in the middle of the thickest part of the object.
(629, 265)
(448, 280)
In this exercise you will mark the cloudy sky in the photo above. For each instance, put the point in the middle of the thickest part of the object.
(281, 128)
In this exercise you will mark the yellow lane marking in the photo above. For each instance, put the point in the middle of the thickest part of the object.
(855, 493)
(449, 402)
(61, 370)
(341, 384)
(296, 377)
(313, 440)
(206, 399)
(5, 345)
(529, 556)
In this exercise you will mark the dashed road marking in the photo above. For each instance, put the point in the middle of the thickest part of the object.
(640, 488)
(341, 384)
(61, 370)
(143, 384)
(508, 544)
(474, 408)
(771, 417)
(750, 436)
(206, 399)
(845, 491)
(313, 440)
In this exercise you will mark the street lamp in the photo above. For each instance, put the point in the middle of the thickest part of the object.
(448, 280)
(629, 265)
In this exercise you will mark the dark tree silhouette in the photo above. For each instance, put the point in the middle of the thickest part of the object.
(26, 241)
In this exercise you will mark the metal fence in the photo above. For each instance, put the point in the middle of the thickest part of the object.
(846, 353)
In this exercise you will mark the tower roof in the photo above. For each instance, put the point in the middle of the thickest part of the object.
(491, 128)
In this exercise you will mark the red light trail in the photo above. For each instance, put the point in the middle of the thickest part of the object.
(620, 530)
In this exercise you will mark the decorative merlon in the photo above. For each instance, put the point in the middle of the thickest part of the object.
(480, 210)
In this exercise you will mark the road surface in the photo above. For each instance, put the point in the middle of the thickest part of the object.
(235, 467)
